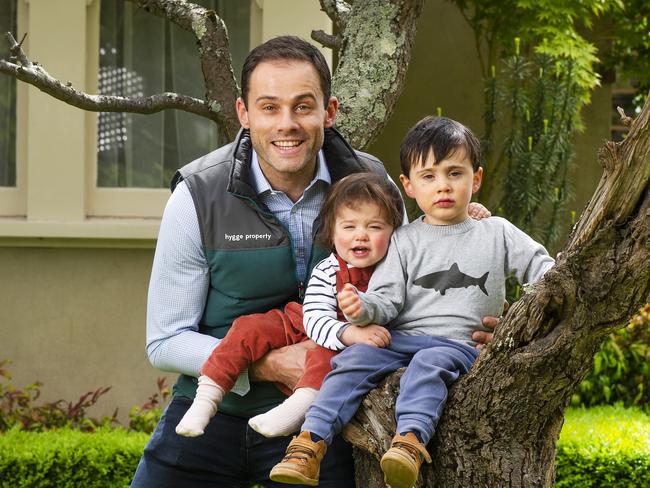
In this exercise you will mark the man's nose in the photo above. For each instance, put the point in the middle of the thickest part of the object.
(287, 120)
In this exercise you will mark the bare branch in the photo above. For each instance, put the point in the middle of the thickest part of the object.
(327, 40)
(16, 50)
(214, 52)
(35, 75)
(338, 11)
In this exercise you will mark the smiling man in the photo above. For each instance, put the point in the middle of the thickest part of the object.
(236, 238)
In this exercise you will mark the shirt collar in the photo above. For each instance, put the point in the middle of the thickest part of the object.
(262, 185)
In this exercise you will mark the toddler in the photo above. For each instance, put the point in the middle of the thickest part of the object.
(358, 217)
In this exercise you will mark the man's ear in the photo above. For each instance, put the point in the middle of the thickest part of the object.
(406, 183)
(331, 110)
(478, 178)
(242, 113)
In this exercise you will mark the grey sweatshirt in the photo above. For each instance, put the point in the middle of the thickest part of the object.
(440, 280)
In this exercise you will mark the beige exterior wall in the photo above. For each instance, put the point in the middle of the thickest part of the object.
(75, 260)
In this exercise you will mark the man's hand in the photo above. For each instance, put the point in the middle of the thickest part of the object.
(284, 365)
(373, 335)
(349, 301)
(478, 211)
(491, 323)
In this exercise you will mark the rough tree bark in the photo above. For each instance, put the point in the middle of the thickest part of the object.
(375, 39)
(503, 419)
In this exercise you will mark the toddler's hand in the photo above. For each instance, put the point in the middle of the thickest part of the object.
(373, 335)
(478, 211)
(349, 301)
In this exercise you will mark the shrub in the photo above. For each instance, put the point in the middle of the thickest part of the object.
(604, 446)
(69, 458)
(621, 372)
(19, 409)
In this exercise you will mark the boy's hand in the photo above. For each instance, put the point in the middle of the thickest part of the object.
(373, 335)
(478, 211)
(349, 301)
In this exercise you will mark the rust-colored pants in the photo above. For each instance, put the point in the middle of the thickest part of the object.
(251, 336)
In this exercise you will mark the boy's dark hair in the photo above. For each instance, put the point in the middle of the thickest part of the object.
(353, 190)
(443, 137)
(287, 48)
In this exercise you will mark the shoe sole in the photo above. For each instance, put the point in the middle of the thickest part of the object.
(396, 473)
(291, 477)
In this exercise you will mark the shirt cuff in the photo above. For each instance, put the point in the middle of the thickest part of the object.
(242, 385)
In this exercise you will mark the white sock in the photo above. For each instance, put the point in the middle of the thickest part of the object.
(286, 417)
(203, 408)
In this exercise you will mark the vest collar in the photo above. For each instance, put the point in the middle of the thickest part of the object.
(340, 158)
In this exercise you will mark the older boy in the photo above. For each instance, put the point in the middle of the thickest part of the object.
(442, 273)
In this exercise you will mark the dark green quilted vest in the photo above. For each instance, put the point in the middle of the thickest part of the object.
(252, 268)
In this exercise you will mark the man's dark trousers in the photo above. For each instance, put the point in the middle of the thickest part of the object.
(229, 455)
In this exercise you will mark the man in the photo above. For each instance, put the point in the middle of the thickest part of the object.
(237, 238)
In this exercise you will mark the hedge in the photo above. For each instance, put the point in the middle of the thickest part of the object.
(598, 447)
(604, 446)
(69, 458)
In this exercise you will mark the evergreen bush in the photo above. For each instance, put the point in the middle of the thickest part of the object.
(604, 446)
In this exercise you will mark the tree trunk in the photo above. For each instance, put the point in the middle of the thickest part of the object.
(377, 36)
(503, 419)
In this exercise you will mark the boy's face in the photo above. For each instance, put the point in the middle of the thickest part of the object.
(443, 190)
(361, 234)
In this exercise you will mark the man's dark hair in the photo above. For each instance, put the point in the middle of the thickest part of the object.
(287, 48)
(354, 190)
(443, 137)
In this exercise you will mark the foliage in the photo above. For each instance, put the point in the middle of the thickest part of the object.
(19, 409)
(621, 372)
(526, 172)
(69, 458)
(604, 446)
(630, 49)
(548, 27)
(144, 418)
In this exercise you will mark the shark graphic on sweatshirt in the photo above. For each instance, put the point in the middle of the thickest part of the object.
(451, 278)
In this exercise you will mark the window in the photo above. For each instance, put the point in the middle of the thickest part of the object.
(141, 54)
(8, 16)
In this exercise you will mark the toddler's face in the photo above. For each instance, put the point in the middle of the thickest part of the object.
(361, 234)
(443, 190)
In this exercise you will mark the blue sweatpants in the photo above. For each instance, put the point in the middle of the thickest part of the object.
(433, 364)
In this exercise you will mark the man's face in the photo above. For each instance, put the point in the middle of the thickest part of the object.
(286, 118)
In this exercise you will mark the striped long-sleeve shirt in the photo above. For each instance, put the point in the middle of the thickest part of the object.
(319, 305)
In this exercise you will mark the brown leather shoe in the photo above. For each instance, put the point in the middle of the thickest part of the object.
(301, 463)
(401, 463)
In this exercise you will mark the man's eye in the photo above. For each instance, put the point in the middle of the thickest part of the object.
(455, 173)
(268, 108)
(302, 108)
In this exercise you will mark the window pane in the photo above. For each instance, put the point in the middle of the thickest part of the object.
(141, 54)
(8, 103)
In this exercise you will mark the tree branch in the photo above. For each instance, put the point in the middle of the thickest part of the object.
(338, 11)
(327, 40)
(214, 52)
(42, 80)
